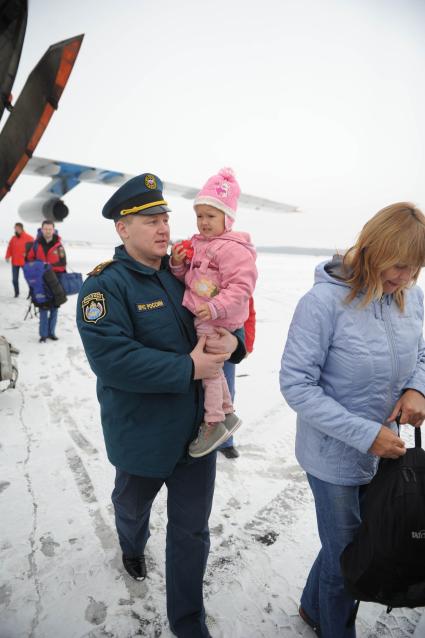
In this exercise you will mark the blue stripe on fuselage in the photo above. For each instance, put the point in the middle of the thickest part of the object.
(69, 177)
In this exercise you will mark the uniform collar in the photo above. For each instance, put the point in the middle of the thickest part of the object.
(124, 258)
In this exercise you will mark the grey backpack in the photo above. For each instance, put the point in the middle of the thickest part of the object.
(8, 368)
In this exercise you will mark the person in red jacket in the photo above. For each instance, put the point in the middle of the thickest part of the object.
(228, 448)
(16, 253)
(48, 248)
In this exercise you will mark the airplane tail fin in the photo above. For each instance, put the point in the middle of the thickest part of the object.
(34, 108)
(13, 23)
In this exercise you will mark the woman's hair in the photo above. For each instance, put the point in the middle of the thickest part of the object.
(395, 235)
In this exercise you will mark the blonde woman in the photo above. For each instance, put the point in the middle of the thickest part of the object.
(354, 359)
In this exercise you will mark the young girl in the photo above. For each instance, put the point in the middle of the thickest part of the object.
(220, 279)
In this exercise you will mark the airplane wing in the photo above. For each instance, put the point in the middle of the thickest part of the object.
(250, 201)
(34, 108)
(13, 23)
(64, 176)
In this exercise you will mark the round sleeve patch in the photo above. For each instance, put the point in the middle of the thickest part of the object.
(93, 307)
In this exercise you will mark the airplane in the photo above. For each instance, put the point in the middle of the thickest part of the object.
(30, 115)
(64, 176)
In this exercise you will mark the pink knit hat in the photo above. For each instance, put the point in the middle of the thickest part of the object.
(221, 191)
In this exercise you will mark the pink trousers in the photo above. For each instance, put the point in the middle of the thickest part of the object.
(217, 399)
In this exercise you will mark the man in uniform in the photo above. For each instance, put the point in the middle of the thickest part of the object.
(141, 344)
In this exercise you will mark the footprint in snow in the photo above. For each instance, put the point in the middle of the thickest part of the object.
(95, 612)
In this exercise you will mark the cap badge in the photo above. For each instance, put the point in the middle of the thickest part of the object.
(150, 182)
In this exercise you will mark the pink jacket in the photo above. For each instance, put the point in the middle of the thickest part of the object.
(222, 274)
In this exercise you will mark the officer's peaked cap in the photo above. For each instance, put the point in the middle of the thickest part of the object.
(141, 195)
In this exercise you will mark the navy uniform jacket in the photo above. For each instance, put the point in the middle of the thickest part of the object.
(137, 337)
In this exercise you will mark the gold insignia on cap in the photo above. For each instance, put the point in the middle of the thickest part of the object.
(137, 209)
(93, 307)
(150, 182)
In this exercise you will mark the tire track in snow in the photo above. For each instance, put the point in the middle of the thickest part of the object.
(33, 568)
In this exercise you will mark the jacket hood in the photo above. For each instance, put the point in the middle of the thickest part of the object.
(55, 238)
(332, 272)
(238, 236)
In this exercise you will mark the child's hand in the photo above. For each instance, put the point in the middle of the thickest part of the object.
(187, 245)
(178, 254)
(203, 312)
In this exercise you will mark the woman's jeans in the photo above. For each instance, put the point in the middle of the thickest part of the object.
(324, 598)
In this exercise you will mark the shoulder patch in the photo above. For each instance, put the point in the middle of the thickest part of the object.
(93, 307)
(100, 268)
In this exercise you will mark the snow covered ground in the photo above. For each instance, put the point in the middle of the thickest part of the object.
(61, 573)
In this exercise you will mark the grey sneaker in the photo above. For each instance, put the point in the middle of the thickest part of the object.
(210, 436)
(232, 422)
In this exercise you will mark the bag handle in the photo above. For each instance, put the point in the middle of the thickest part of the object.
(418, 435)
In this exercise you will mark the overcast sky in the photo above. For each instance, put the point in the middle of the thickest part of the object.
(318, 104)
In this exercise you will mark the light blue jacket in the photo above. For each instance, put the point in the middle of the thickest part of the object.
(343, 369)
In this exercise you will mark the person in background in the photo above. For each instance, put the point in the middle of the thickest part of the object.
(220, 278)
(228, 448)
(141, 344)
(16, 253)
(48, 248)
(354, 360)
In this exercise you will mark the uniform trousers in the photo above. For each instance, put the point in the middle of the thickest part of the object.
(190, 493)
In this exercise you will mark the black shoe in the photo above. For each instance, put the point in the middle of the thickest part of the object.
(303, 614)
(136, 567)
(53, 337)
(229, 452)
(16, 294)
(42, 340)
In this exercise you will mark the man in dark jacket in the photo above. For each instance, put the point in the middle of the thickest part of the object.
(48, 248)
(141, 344)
